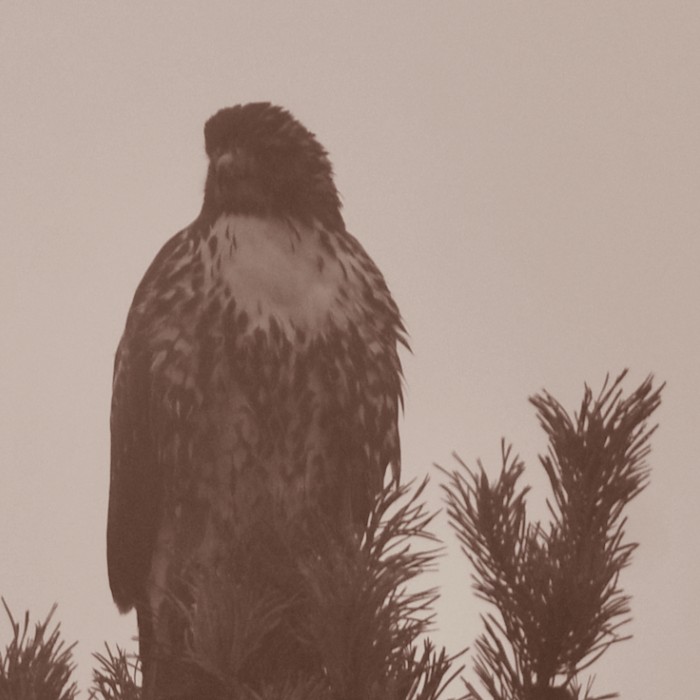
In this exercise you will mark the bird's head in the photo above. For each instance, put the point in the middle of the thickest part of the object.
(263, 162)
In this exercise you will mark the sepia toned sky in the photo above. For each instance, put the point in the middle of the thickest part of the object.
(525, 174)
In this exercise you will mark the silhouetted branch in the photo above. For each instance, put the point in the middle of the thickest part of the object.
(116, 678)
(555, 586)
(38, 666)
(340, 611)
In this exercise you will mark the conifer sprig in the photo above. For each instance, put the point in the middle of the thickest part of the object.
(116, 677)
(555, 586)
(341, 610)
(39, 665)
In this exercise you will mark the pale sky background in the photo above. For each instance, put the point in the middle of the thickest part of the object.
(526, 175)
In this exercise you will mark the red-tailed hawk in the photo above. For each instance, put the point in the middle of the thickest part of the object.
(259, 357)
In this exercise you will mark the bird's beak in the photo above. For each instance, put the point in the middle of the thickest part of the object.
(233, 164)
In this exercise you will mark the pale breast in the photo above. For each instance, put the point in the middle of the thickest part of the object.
(281, 270)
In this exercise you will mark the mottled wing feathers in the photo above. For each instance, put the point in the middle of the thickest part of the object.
(135, 483)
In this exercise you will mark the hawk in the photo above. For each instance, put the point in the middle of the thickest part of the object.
(259, 360)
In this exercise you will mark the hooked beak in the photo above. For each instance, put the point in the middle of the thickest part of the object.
(234, 164)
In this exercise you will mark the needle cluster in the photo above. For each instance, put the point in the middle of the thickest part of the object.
(37, 665)
(554, 588)
(340, 620)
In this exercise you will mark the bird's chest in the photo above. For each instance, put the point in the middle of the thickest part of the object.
(269, 273)
(268, 328)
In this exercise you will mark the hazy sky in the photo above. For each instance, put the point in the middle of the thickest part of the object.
(525, 173)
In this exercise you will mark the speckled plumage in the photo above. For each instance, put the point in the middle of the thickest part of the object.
(259, 357)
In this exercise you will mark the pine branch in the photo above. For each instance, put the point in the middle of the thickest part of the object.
(340, 620)
(38, 666)
(555, 586)
(116, 677)
(361, 613)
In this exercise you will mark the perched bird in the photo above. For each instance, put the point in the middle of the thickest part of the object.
(259, 361)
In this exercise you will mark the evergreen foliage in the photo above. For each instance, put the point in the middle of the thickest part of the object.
(116, 676)
(336, 618)
(38, 666)
(555, 587)
(318, 614)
